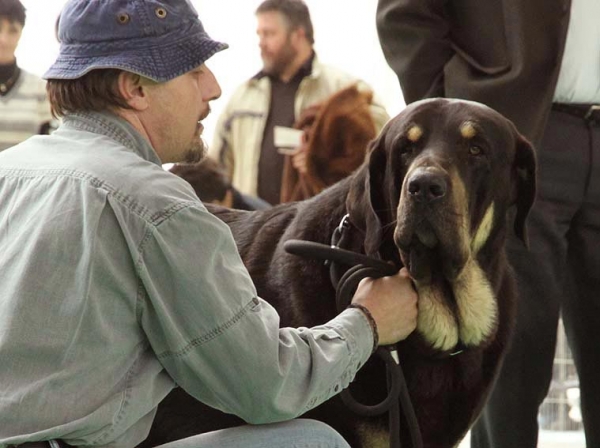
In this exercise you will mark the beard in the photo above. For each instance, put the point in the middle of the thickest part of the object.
(195, 152)
(276, 65)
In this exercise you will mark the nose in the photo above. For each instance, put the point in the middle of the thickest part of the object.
(261, 40)
(427, 185)
(213, 89)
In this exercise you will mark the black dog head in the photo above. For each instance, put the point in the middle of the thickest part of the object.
(434, 172)
(435, 189)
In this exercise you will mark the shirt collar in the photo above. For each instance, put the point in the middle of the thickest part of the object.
(116, 128)
(7, 71)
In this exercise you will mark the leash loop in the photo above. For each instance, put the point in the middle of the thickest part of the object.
(363, 266)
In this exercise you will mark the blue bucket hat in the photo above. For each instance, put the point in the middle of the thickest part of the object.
(159, 40)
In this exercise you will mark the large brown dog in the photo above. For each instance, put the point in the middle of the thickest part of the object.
(434, 196)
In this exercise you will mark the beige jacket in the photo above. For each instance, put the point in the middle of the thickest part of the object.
(239, 130)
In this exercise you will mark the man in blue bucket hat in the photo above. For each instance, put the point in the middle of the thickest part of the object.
(117, 285)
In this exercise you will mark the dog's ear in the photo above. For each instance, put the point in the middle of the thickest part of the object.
(366, 198)
(525, 173)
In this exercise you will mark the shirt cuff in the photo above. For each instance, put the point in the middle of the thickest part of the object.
(354, 326)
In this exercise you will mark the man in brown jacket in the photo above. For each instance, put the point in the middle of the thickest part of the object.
(538, 63)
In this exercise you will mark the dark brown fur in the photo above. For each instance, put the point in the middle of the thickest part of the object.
(495, 166)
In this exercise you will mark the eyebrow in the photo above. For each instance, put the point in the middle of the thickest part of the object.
(414, 133)
(468, 130)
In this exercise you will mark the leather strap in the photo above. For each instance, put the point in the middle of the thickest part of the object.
(587, 112)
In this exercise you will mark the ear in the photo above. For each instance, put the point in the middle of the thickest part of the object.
(133, 89)
(366, 198)
(296, 36)
(525, 174)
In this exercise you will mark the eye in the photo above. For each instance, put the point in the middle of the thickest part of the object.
(406, 147)
(475, 150)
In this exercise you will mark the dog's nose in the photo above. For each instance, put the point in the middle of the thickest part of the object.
(427, 186)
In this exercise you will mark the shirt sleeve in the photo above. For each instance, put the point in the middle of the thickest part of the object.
(222, 343)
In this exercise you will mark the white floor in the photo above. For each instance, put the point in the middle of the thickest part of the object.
(552, 439)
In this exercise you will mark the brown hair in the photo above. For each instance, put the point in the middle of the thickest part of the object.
(13, 10)
(97, 91)
(294, 11)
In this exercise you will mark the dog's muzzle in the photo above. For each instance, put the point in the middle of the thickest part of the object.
(427, 184)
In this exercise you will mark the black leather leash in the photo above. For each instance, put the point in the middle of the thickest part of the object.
(363, 266)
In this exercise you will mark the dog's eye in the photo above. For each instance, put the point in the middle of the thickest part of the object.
(407, 147)
(475, 150)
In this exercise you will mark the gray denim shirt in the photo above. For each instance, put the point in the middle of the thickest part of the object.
(116, 285)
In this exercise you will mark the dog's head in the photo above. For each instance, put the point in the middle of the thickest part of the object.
(437, 185)
(441, 176)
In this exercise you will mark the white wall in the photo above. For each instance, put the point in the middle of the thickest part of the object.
(345, 36)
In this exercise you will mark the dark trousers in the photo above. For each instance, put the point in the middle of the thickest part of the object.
(559, 274)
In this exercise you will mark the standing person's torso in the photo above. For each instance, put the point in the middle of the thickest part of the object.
(579, 76)
(246, 114)
(507, 56)
(23, 110)
(281, 113)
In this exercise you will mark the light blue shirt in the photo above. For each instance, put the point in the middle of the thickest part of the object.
(579, 77)
(116, 284)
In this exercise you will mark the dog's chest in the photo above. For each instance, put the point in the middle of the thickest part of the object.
(373, 436)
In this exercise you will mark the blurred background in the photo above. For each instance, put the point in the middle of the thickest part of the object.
(345, 36)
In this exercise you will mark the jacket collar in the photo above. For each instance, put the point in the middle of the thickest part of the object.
(115, 128)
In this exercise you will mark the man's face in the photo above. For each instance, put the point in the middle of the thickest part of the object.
(276, 42)
(176, 109)
(10, 33)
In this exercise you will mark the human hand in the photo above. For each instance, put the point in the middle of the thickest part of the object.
(300, 154)
(299, 159)
(392, 301)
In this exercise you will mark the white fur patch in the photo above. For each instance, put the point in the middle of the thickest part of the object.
(459, 200)
(435, 321)
(372, 436)
(477, 307)
(484, 230)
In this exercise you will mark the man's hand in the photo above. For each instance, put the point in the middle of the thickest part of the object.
(300, 154)
(392, 301)
(299, 159)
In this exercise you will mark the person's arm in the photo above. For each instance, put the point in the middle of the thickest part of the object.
(223, 344)
(414, 37)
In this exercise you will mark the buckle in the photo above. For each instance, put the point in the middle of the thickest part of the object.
(338, 233)
(591, 111)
